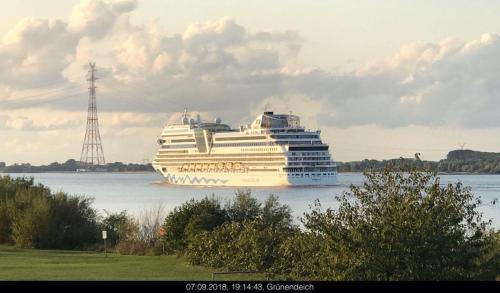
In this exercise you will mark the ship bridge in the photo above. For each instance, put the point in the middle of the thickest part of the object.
(269, 120)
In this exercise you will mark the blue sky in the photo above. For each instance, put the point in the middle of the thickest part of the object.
(382, 79)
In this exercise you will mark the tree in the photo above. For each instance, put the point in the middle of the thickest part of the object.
(244, 208)
(249, 240)
(72, 223)
(399, 225)
(190, 219)
(116, 225)
(276, 215)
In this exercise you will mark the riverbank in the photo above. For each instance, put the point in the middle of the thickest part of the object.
(33, 264)
(154, 172)
(457, 162)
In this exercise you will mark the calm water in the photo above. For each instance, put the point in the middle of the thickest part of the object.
(136, 192)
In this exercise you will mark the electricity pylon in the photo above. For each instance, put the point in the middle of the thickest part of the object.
(92, 154)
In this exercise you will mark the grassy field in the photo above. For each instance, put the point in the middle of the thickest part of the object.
(31, 264)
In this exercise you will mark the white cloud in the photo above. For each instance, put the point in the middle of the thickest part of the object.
(221, 68)
(96, 18)
(37, 123)
(221, 65)
(451, 83)
(416, 99)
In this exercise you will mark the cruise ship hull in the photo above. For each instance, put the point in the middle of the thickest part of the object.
(247, 180)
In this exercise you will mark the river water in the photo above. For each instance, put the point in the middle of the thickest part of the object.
(138, 192)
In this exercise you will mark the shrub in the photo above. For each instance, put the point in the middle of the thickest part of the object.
(276, 215)
(31, 216)
(72, 223)
(396, 226)
(244, 207)
(301, 256)
(140, 236)
(9, 187)
(130, 241)
(237, 246)
(190, 219)
(115, 224)
(249, 242)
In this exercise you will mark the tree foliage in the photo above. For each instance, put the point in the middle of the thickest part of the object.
(248, 240)
(32, 216)
(244, 207)
(250, 245)
(396, 226)
(400, 224)
(116, 225)
(72, 165)
(457, 161)
(190, 219)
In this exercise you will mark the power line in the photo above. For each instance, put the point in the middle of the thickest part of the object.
(52, 91)
(38, 102)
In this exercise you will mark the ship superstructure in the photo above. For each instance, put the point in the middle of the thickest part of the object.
(274, 150)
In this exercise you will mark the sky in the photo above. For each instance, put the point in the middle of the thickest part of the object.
(381, 79)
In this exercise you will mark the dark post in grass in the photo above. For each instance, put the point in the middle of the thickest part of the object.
(104, 236)
(162, 233)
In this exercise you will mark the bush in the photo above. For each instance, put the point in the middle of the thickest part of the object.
(250, 240)
(29, 213)
(276, 215)
(135, 236)
(9, 187)
(396, 226)
(190, 219)
(31, 216)
(301, 256)
(71, 224)
(130, 241)
(237, 246)
(244, 207)
(116, 226)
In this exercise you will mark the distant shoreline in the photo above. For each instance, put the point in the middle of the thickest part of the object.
(147, 172)
(65, 172)
(457, 162)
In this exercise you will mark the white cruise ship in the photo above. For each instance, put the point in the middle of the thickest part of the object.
(275, 150)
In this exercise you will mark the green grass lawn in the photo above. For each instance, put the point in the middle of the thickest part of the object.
(31, 264)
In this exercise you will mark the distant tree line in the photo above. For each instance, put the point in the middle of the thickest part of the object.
(458, 161)
(71, 166)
